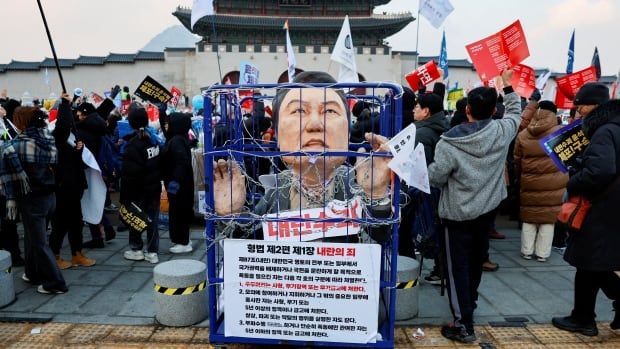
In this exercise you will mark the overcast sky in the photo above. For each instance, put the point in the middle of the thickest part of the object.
(81, 27)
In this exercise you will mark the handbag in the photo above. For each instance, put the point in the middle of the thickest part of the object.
(574, 212)
(134, 217)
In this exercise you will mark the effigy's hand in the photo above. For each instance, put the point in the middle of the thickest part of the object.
(373, 174)
(228, 187)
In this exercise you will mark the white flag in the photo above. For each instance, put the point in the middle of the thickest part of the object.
(435, 11)
(292, 62)
(542, 80)
(344, 53)
(201, 8)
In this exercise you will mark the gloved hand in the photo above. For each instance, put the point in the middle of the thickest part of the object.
(173, 187)
(11, 210)
(115, 90)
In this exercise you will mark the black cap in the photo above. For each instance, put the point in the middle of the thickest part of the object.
(548, 105)
(592, 93)
(86, 108)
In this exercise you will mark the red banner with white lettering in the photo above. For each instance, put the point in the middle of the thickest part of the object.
(176, 95)
(422, 76)
(504, 49)
(571, 83)
(561, 101)
(523, 80)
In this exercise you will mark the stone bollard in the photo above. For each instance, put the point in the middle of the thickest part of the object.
(407, 293)
(181, 296)
(7, 290)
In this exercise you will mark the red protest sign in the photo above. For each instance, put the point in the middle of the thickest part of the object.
(423, 75)
(152, 112)
(570, 84)
(176, 95)
(523, 80)
(561, 101)
(504, 49)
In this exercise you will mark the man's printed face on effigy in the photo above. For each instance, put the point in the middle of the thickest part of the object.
(313, 120)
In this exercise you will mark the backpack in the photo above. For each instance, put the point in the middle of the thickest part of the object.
(425, 223)
(109, 158)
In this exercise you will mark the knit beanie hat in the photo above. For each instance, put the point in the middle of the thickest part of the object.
(137, 118)
(548, 105)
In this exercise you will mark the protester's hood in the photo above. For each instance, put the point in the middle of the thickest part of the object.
(542, 121)
(10, 107)
(464, 135)
(179, 124)
(608, 112)
(437, 122)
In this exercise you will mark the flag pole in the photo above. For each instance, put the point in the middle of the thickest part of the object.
(49, 38)
(417, 38)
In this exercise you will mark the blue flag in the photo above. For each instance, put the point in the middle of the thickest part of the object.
(443, 56)
(571, 54)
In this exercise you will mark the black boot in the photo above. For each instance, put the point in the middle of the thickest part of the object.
(615, 325)
(110, 233)
(94, 243)
(568, 323)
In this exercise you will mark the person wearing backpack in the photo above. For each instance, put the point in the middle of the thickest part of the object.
(179, 181)
(141, 184)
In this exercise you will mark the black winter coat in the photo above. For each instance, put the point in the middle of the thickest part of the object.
(597, 246)
(141, 177)
(90, 130)
(70, 177)
(177, 156)
(429, 131)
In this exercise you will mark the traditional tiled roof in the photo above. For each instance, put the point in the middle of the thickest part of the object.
(90, 60)
(120, 58)
(63, 62)
(149, 56)
(387, 24)
(2, 68)
(18, 65)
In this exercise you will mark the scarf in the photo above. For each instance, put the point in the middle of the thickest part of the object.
(34, 145)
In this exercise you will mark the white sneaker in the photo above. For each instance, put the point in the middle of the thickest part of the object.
(25, 278)
(42, 290)
(134, 255)
(178, 248)
(151, 257)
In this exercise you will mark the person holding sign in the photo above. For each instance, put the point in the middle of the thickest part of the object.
(542, 183)
(310, 120)
(593, 250)
(469, 170)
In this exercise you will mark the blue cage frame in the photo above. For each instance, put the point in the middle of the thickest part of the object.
(390, 124)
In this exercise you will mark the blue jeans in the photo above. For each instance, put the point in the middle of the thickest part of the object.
(41, 266)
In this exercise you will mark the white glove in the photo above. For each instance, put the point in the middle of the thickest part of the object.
(11, 209)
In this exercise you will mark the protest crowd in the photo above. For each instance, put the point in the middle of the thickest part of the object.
(62, 157)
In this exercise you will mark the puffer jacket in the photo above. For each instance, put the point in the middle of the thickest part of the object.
(542, 183)
(596, 246)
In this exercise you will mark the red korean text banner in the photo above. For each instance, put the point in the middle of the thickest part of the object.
(422, 76)
(176, 95)
(498, 51)
(561, 101)
(571, 83)
(523, 80)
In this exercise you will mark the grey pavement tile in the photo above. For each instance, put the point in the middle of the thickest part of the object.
(140, 304)
(100, 255)
(28, 300)
(20, 316)
(72, 274)
(431, 303)
(69, 302)
(503, 261)
(96, 278)
(534, 292)
(504, 299)
(118, 260)
(18, 284)
(551, 279)
(102, 303)
(130, 281)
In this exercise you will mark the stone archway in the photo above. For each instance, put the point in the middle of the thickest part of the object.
(284, 76)
(233, 76)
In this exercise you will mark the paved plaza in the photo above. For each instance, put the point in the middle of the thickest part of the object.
(515, 306)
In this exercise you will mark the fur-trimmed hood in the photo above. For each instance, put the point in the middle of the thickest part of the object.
(603, 114)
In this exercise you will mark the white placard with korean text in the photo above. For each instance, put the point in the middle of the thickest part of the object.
(306, 291)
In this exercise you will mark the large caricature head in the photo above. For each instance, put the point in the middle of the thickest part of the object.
(312, 120)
